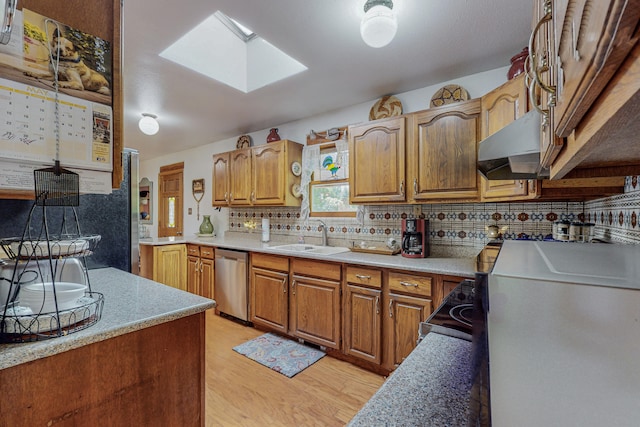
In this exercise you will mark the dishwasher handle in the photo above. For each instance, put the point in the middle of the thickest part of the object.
(232, 255)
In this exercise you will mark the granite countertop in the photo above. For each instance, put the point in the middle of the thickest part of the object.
(432, 386)
(131, 303)
(459, 261)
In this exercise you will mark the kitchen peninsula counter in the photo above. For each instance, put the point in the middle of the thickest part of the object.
(454, 261)
(431, 387)
(142, 361)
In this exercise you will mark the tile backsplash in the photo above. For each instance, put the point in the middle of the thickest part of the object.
(449, 224)
(616, 218)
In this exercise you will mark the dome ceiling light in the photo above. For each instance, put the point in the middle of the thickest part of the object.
(379, 24)
(148, 124)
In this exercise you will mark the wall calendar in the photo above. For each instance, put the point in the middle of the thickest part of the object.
(28, 133)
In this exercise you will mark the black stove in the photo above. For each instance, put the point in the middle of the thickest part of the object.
(454, 317)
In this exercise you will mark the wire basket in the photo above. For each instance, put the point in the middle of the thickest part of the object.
(54, 246)
(20, 324)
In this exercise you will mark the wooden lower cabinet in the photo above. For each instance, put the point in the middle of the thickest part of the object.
(269, 292)
(200, 270)
(363, 323)
(404, 316)
(315, 302)
(165, 264)
(362, 313)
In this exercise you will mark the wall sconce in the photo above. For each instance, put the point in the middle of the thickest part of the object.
(379, 24)
(148, 124)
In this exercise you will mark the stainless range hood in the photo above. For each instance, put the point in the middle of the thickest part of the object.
(514, 151)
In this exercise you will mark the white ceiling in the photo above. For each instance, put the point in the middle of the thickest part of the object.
(437, 40)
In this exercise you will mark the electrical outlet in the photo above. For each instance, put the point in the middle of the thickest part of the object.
(190, 211)
(417, 210)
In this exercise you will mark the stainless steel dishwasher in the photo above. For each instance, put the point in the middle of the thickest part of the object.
(232, 283)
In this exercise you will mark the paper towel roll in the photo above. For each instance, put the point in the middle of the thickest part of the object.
(265, 229)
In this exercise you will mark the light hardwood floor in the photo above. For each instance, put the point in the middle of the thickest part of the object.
(241, 392)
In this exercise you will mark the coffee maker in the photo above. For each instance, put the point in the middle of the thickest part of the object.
(415, 235)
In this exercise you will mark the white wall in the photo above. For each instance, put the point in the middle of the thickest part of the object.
(198, 161)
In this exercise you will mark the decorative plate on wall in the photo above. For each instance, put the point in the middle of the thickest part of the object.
(244, 142)
(448, 95)
(387, 106)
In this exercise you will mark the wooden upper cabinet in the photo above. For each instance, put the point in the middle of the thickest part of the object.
(259, 175)
(592, 39)
(240, 177)
(443, 152)
(269, 169)
(272, 175)
(377, 161)
(221, 177)
(500, 107)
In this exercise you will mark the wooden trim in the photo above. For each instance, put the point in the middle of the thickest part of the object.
(172, 167)
(117, 98)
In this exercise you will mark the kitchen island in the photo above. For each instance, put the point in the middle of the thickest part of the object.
(141, 364)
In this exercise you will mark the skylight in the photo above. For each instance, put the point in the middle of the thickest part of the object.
(225, 50)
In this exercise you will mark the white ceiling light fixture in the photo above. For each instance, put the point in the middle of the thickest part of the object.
(148, 124)
(379, 24)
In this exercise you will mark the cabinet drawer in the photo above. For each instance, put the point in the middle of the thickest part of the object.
(206, 252)
(270, 262)
(404, 282)
(324, 270)
(193, 250)
(364, 276)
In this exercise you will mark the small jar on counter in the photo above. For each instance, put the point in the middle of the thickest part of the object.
(575, 232)
(561, 230)
(587, 231)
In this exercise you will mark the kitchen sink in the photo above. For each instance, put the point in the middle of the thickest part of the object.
(310, 249)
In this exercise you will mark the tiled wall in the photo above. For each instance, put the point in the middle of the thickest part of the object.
(616, 217)
(449, 224)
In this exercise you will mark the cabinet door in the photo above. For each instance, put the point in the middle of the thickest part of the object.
(207, 278)
(240, 178)
(592, 40)
(269, 174)
(193, 275)
(444, 152)
(269, 299)
(363, 323)
(405, 314)
(500, 107)
(169, 265)
(377, 161)
(221, 177)
(315, 310)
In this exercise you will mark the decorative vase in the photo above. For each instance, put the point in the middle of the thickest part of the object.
(273, 135)
(517, 63)
(206, 227)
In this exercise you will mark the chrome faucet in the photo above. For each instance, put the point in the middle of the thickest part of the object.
(324, 232)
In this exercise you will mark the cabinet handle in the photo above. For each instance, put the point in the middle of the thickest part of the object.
(377, 304)
(201, 266)
(253, 197)
(402, 188)
(532, 96)
(226, 197)
(391, 308)
(412, 285)
(284, 285)
(521, 184)
(293, 287)
(415, 186)
(231, 196)
(362, 277)
(547, 17)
